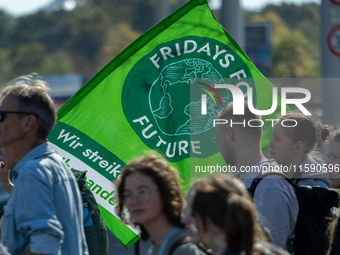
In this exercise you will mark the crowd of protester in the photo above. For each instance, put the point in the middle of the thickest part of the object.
(250, 213)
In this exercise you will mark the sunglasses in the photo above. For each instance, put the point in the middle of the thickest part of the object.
(2, 114)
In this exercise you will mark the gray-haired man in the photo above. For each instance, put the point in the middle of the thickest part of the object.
(44, 212)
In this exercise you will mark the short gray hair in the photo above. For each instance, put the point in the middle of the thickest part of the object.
(33, 96)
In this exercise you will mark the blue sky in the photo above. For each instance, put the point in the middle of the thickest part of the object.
(21, 7)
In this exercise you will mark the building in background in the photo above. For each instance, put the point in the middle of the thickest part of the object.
(258, 45)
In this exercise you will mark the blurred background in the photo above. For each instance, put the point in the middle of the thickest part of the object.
(59, 37)
(68, 41)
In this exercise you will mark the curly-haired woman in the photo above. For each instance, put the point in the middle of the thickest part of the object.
(150, 190)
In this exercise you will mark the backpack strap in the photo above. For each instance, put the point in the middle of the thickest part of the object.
(259, 178)
(80, 178)
(88, 217)
(297, 176)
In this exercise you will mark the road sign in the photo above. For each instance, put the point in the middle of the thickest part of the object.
(333, 40)
(337, 2)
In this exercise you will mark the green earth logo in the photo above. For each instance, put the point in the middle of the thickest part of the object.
(165, 94)
(161, 96)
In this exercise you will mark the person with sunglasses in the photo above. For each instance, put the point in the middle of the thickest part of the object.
(150, 190)
(44, 213)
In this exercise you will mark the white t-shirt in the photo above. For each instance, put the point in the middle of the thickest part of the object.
(276, 204)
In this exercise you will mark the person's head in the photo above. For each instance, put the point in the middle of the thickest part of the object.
(333, 155)
(150, 189)
(233, 133)
(223, 214)
(26, 109)
(295, 135)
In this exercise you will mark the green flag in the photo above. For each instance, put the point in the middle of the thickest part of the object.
(148, 98)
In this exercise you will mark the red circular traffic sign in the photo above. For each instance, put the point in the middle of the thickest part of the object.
(333, 40)
(337, 2)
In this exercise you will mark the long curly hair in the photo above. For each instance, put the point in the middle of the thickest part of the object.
(167, 181)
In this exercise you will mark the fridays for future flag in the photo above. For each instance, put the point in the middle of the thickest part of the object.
(143, 100)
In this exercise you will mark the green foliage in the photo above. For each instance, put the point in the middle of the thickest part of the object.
(32, 57)
(56, 62)
(5, 67)
(28, 58)
(6, 26)
(293, 57)
(304, 18)
(296, 43)
(87, 38)
(117, 38)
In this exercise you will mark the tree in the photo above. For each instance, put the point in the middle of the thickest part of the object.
(6, 27)
(117, 38)
(34, 58)
(304, 18)
(6, 68)
(294, 54)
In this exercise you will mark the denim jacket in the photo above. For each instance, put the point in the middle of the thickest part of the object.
(44, 212)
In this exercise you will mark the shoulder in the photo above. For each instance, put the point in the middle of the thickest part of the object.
(181, 244)
(315, 182)
(35, 169)
(312, 160)
(43, 157)
(275, 181)
(262, 168)
(270, 163)
(315, 172)
(36, 155)
(188, 248)
(48, 166)
(275, 189)
(312, 166)
(153, 250)
(272, 179)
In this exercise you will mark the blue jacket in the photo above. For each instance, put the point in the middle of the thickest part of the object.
(44, 212)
